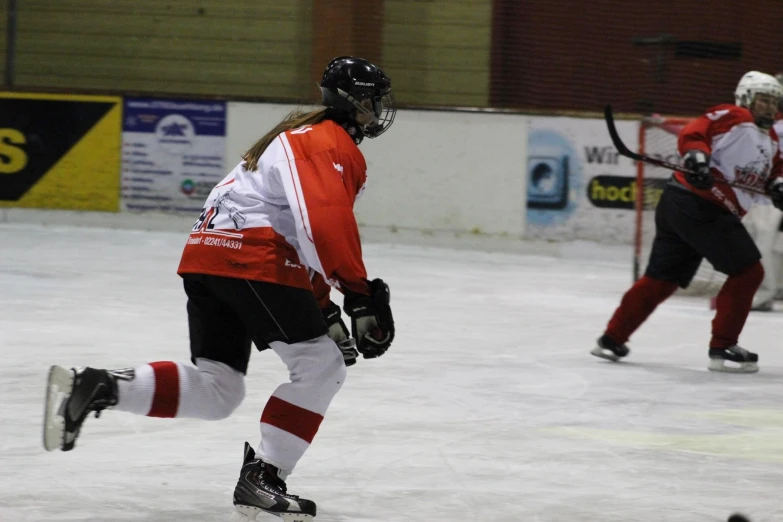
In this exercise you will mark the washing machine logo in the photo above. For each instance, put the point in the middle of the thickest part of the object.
(554, 177)
(547, 184)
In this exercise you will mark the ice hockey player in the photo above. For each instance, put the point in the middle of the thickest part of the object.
(282, 214)
(698, 217)
(764, 222)
(765, 225)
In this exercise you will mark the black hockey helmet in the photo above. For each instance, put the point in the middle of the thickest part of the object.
(348, 81)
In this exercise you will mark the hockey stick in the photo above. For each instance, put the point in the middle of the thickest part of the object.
(625, 151)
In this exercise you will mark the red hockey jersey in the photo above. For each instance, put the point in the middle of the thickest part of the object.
(289, 219)
(739, 152)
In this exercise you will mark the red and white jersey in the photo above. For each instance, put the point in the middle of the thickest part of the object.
(290, 218)
(778, 127)
(739, 152)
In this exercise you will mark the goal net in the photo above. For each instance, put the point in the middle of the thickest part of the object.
(658, 138)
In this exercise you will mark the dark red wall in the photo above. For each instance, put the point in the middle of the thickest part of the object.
(570, 55)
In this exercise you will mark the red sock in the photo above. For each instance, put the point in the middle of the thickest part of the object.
(733, 305)
(636, 306)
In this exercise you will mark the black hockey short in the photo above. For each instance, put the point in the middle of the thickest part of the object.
(226, 314)
(689, 228)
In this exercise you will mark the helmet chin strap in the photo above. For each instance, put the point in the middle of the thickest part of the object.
(354, 131)
(342, 118)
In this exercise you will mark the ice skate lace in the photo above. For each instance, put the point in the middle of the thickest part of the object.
(274, 484)
(99, 405)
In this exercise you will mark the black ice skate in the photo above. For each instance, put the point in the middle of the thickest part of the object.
(71, 395)
(260, 489)
(733, 360)
(608, 349)
(766, 306)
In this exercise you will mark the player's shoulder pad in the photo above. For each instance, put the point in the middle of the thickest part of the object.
(725, 116)
(345, 145)
(774, 133)
(309, 140)
(777, 127)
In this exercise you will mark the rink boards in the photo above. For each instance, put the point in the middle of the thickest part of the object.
(477, 174)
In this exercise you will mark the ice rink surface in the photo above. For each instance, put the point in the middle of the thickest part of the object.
(487, 408)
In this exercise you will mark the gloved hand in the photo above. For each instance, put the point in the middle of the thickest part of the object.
(338, 333)
(776, 195)
(372, 323)
(698, 172)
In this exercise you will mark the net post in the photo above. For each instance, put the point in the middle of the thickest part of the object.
(639, 203)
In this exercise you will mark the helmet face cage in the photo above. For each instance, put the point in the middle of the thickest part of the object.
(383, 115)
(356, 86)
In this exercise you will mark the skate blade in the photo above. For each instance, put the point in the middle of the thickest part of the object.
(250, 514)
(721, 365)
(59, 386)
(293, 517)
(240, 516)
(609, 355)
(766, 306)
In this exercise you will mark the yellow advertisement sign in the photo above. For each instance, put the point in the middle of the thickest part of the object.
(60, 151)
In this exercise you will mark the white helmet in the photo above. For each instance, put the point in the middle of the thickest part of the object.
(753, 83)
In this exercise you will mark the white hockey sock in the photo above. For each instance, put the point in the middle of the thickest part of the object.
(212, 391)
(294, 413)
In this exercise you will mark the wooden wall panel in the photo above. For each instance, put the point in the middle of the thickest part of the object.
(3, 40)
(220, 47)
(555, 56)
(346, 27)
(437, 51)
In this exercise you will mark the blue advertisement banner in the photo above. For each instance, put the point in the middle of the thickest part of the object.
(578, 186)
(173, 153)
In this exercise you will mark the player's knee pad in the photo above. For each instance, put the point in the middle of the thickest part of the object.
(758, 273)
(336, 371)
(654, 291)
(753, 275)
(223, 389)
(317, 363)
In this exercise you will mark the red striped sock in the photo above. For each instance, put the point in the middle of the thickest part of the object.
(165, 401)
(291, 418)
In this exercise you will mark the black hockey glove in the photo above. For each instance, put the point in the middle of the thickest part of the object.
(338, 333)
(372, 323)
(776, 195)
(698, 172)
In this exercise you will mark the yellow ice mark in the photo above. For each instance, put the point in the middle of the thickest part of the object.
(760, 440)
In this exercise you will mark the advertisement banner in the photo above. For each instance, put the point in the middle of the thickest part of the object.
(172, 153)
(578, 186)
(60, 151)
